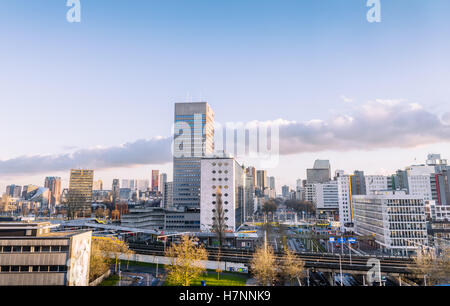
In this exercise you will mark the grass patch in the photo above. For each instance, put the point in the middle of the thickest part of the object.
(226, 279)
(110, 281)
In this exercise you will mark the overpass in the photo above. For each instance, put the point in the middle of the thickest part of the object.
(392, 265)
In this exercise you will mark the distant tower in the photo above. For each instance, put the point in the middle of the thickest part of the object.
(115, 191)
(80, 192)
(155, 180)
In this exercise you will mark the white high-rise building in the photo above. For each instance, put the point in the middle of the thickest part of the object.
(345, 203)
(376, 183)
(419, 181)
(326, 198)
(226, 176)
(396, 219)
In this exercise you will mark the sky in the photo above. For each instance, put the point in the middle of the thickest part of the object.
(101, 93)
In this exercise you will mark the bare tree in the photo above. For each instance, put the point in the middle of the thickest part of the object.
(434, 269)
(292, 267)
(263, 265)
(219, 226)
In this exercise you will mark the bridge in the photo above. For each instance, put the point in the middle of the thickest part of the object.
(392, 265)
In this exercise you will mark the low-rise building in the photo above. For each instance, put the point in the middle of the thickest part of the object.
(32, 255)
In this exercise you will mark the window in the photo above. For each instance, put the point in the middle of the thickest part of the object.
(15, 268)
(4, 269)
(16, 249)
(7, 249)
(35, 268)
(26, 249)
(43, 268)
(37, 249)
(45, 249)
(24, 269)
(53, 268)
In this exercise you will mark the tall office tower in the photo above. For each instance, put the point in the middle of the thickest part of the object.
(167, 195)
(358, 183)
(98, 185)
(320, 173)
(80, 192)
(299, 190)
(54, 186)
(250, 208)
(115, 191)
(193, 139)
(14, 191)
(162, 181)
(155, 180)
(225, 176)
(272, 183)
(285, 191)
(251, 171)
(261, 182)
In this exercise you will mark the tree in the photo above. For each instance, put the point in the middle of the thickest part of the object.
(186, 261)
(113, 248)
(99, 261)
(219, 226)
(292, 267)
(269, 206)
(434, 269)
(263, 265)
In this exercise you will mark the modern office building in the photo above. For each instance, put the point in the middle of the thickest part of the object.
(419, 181)
(155, 180)
(261, 182)
(320, 173)
(358, 183)
(98, 185)
(193, 139)
(160, 219)
(167, 196)
(80, 192)
(326, 199)
(345, 202)
(31, 255)
(222, 177)
(395, 219)
(285, 191)
(13, 191)
(115, 191)
(162, 181)
(375, 183)
(54, 186)
(249, 207)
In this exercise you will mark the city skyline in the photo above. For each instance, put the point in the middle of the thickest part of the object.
(394, 73)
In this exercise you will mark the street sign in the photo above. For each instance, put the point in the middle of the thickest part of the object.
(341, 240)
(351, 240)
(332, 240)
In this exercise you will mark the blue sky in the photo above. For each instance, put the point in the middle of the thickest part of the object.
(113, 78)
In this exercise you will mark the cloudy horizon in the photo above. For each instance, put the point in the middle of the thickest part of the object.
(100, 93)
